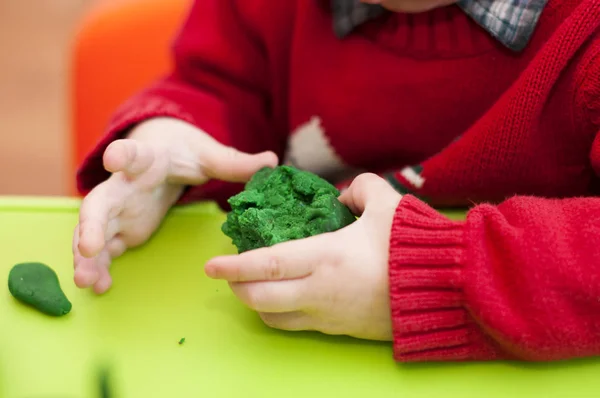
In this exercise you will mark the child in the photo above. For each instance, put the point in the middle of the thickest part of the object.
(492, 104)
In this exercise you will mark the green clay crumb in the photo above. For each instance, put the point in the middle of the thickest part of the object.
(182, 341)
(37, 285)
(283, 204)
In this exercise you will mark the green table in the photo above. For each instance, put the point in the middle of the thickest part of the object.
(161, 295)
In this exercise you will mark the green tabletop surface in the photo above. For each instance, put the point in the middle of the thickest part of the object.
(161, 295)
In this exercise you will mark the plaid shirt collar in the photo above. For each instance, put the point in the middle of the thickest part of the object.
(512, 22)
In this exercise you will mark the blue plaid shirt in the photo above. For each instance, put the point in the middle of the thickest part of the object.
(512, 22)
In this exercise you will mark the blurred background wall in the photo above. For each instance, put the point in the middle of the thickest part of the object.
(34, 40)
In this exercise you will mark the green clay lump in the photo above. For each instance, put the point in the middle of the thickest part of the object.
(37, 285)
(281, 204)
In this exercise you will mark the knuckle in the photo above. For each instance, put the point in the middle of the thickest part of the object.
(232, 156)
(236, 273)
(274, 268)
(231, 152)
(212, 163)
(131, 149)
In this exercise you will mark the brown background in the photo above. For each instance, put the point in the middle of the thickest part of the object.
(35, 37)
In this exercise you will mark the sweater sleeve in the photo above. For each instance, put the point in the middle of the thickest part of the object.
(520, 280)
(219, 83)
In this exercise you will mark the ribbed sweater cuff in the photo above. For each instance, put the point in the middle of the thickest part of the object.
(429, 316)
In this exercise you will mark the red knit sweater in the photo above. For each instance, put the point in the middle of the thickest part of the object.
(512, 134)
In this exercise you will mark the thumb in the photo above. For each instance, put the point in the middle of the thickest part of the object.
(365, 189)
(228, 164)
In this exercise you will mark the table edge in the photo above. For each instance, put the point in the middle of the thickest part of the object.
(70, 204)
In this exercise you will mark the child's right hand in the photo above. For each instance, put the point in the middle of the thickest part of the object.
(149, 172)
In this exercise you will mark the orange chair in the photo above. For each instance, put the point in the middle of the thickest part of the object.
(120, 46)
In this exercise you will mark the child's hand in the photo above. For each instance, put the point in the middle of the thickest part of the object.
(150, 169)
(335, 283)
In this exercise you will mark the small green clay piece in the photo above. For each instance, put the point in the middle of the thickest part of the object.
(283, 204)
(182, 341)
(37, 285)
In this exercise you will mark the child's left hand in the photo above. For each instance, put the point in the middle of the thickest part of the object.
(335, 283)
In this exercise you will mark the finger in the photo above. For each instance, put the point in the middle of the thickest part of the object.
(291, 321)
(128, 156)
(289, 260)
(95, 271)
(364, 189)
(75, 242)
(279, 296)
(88, 271)
(93, 220)
(103, 284)
(229, 164)
(116, 247)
